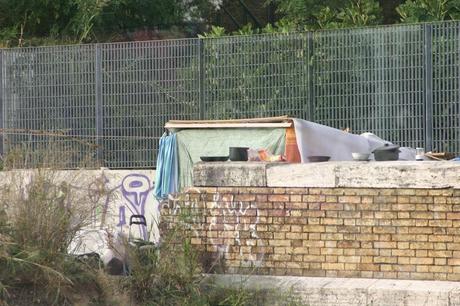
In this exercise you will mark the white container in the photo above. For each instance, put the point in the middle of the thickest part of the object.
(360, 156)
(419, 153)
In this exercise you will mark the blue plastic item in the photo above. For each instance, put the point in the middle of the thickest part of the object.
(167, 167)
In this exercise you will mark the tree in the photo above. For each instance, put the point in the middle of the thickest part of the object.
(331, 13)
(356, 13)
(428, 10)
(76, 21)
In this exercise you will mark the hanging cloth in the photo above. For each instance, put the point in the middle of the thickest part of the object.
(167, 167)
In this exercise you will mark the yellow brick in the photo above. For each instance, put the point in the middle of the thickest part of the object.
(292, 236)
(439, 253)
(420, 230)
(421, 245)
(403, 215)
(440, 223)
(349, 252)
(440, 238)
(332, 214)
(331, 199)
(313, 244)
(349, 222)
(403, 245)
(368, 267)
(314, 258)
(295, 198)
(349, 199)
(278, 198)
(332, 236)
(280, 257)
(453, 261)
(332, 266)
(331, 206)
(403, 207)
(331, 258)
(421, 253)
(404, 260)
(421, 261)
(367, 252)
(421, 207)
(300, 251)
(421, 192)
(331, 221)
(385, 259)
(403, 200)
(349, 259)
(385, 199)
(367, 200)
(385, 245)
(387, 192)
(314, 228)
(384, 230)
(406, 253)
(280, 242)
(331, 251)
(421, 215)
(313, 198)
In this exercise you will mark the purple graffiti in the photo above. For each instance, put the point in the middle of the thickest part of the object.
(135, 189)
(121, 217)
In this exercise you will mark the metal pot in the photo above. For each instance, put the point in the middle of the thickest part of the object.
(238, 153)
(386, 152)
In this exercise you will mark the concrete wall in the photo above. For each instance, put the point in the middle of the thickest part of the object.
(125, 192)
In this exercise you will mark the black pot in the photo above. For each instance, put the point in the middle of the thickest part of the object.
(386, 152)
(238, 153)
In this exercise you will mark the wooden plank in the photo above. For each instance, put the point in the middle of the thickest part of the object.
(227, 125)
(248, 120)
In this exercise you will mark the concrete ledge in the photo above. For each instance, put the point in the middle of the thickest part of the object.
(229, 174)
(397, 174)
(351, 291)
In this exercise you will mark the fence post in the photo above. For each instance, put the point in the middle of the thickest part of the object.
(428, 58)
(99, 118)
(2, 106)
(311, 75)
(201, 75)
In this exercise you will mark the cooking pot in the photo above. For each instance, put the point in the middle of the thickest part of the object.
(386, 152)
(238, 153)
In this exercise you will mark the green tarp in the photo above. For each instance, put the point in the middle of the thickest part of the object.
(193, 143)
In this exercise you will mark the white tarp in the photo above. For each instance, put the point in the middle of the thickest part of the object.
(314, 139)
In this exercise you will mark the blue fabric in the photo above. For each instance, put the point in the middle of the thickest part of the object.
(167, 167)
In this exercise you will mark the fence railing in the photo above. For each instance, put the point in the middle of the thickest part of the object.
(400, 82)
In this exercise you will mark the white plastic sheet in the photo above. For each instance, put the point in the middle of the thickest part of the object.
(314, 139)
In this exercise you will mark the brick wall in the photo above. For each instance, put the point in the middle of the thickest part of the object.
(336, 232)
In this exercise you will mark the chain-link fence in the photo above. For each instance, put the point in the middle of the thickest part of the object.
(111, 101)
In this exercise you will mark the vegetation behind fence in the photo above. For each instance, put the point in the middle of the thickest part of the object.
(400, 82)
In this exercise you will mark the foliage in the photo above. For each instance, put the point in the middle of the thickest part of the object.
(304, 12)
(28, 22)
(428, 10)
(330, 13)
(357, 13)
(40, 215)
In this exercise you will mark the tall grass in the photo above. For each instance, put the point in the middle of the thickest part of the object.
(41, 212)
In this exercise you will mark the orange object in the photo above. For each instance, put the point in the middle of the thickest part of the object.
(292, 151)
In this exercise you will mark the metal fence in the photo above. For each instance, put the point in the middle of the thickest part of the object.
(110, 101)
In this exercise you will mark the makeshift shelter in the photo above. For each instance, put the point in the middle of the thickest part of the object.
(295, 139)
